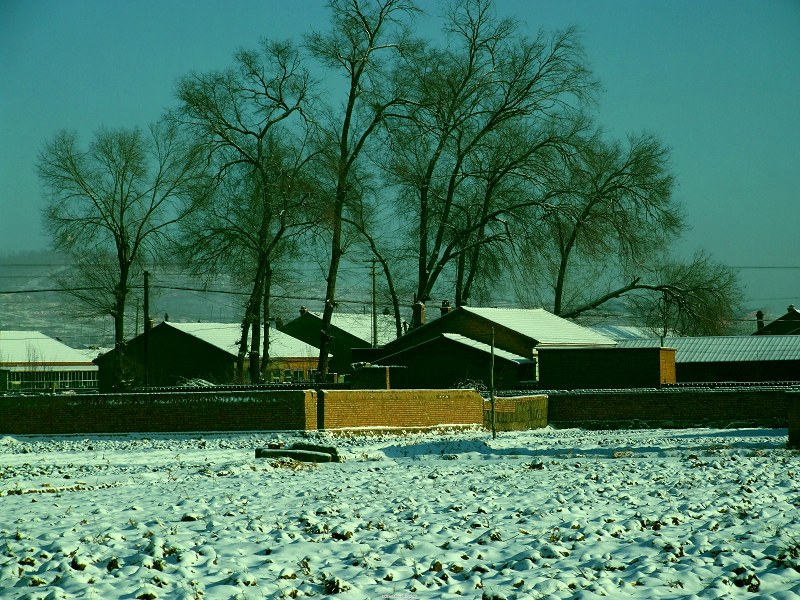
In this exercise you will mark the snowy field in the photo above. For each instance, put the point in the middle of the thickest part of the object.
(541, 514)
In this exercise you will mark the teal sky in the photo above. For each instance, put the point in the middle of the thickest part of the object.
(717, 80)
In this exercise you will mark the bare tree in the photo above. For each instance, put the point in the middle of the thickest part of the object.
(696, 297)
(451, 150)
(617, 202)
(606, 237)
(362, 33)
(110, 205)
(250, 121)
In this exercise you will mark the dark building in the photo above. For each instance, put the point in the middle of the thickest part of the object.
(456, 346)
(605, 368)
(348, 331)
(177, 352)
(738, 358)
(788, 324)
(450, 360)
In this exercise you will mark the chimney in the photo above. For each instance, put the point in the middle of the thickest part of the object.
(303, 310)
(419, 314)
(791, 308)
(760, 320)
(445, 307)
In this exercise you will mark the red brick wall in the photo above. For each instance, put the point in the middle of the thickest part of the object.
(108, 413)
(344, 409)
(688, 407)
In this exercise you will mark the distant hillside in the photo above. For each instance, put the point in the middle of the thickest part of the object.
(29, 299)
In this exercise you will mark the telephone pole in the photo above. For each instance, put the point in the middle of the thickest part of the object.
(146, 325)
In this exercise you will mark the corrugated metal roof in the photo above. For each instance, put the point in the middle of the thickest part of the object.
(544, 327)
(33, 347)
(486, 348)
(737, 348)
(225, 336)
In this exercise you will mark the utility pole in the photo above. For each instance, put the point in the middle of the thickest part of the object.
(374, 304)
(146, 326)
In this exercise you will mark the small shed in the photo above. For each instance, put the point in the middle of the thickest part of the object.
(33, 362)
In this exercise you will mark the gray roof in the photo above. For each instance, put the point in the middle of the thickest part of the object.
(734, 348)
(544, 327)
(21, 348)
(225, 336)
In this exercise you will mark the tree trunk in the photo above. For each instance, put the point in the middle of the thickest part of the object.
(243, 345)
(254, 367)
(330, 292)
(266, 317)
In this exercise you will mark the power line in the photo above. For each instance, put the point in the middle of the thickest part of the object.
(760, 267)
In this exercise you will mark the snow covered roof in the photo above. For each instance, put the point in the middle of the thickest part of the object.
(20, 348)
(544, 327)
(226, 335)
(486, 348)
(360, 326)
(621, 332)
(734, 348)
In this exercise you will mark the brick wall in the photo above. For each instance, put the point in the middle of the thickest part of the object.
(516, 414)
(110, 413)
(688, 407)
(345, 409)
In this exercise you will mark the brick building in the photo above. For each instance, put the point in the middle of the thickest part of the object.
(605, 368)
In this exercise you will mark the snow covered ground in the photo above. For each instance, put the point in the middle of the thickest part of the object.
(539, 514)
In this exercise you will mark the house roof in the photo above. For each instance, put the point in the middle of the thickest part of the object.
(465, 341)
(788, 324)
(360, 326)
(486, 348)
(735, 348)
(543, 326)
(621, 332)
(226, 335)
(21, 348)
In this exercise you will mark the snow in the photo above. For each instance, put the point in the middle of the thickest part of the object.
(538, 514)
